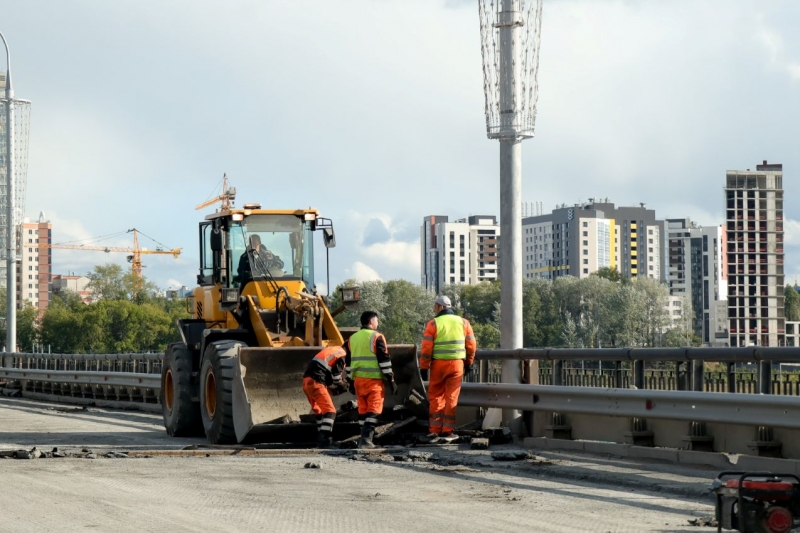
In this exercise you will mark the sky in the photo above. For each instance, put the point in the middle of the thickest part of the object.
(373, 113)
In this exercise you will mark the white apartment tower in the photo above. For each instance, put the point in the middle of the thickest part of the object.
(754, 201)
(697, 270)
(463, 251)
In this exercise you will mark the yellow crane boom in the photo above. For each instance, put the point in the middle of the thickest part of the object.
(135, 259)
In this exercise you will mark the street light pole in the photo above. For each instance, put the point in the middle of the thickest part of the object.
(11, 239)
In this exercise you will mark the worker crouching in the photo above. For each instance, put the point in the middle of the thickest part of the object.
(322, 378)
(447, 352)
(368, 367)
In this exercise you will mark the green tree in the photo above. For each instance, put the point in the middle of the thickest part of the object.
(611, 274)
(791, 303)
(110, 282)
(409, 307)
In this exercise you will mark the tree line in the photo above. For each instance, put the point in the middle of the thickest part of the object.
(121, 319)
(598, 311)
(601, 310)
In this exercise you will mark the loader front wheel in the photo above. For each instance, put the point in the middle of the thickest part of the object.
(178, 395)
(216, 391)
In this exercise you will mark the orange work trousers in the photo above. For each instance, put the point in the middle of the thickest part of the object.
(370, 394)
(318, 396)
(444, 387)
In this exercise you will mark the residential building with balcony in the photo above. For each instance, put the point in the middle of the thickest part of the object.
(697, 270)
(755, 256)
(463, 251)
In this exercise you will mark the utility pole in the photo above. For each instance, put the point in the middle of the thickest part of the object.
(510, 36)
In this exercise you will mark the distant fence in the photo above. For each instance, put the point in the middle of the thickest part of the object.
(131, 381)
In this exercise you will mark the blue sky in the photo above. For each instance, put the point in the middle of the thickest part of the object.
(372, 112)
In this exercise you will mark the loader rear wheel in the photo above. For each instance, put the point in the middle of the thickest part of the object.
(216, 391)
(181, 413)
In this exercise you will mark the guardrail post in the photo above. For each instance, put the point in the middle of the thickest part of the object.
(765, 377)
(732, 377)
(618, 374)
(558, 372)
(682, 376)
(697, 376)
(638, 374)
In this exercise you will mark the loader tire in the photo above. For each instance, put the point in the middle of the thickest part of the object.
(178, 396)
(216, 391)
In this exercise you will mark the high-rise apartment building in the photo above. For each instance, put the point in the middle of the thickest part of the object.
(579, 240)
(697, 270)
(35, 263)
(463, 251)
(755, 256)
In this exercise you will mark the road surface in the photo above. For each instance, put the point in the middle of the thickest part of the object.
(396, 490)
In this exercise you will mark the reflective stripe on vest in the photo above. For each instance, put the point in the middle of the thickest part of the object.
(363, 361)
(449, 342)
(327, 358)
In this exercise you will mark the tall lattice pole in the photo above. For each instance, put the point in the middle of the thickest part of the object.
(510, 36)
(11, 241)
(16, 169)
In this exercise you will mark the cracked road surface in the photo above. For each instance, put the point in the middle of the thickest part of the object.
(452, 489)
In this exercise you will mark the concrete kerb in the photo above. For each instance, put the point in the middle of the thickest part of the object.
(722, 461)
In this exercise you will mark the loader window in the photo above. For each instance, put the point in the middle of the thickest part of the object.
(206, 276)
(274, 244)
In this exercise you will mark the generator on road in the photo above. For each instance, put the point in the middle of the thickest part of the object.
(257, 321)
(757, 502)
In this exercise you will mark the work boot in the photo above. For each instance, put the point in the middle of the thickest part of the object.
(324, 440)
(430, 438)
(447, 438)
(367, 433)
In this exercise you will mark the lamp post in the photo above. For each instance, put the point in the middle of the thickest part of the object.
(11, 241)
(510, 36)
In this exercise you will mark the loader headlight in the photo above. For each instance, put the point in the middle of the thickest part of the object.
(229, 296)
(350, 295)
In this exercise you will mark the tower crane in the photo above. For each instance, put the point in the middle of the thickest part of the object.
(135, 259)
(226, 198)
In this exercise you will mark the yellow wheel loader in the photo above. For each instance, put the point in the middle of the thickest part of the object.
(256, 323)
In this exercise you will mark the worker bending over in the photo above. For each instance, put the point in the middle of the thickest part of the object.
(323, 376)
(368, 366)
(448, 351)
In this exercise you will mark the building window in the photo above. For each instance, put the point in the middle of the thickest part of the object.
(585, 224)
(586, 252)
(585, 233)
(586, 243)
(585, 270)
(585, 261)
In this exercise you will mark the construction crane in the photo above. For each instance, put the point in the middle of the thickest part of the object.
(227, 196)
(135, 259)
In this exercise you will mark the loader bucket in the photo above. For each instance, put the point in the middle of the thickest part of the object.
(268, 390)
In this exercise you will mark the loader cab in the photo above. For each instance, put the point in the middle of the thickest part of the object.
(245, 245)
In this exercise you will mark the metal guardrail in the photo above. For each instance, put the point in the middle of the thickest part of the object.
(746, 409)
(134, 381)
(131, 381)
(689, 367)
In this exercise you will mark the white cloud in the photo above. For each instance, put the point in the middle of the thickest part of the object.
(791, 229)
(362, 272)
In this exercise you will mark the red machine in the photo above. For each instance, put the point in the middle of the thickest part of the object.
(757, 502)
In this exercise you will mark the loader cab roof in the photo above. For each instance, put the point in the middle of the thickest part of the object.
(247, 212)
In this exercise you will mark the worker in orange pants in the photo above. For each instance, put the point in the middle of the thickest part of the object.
(322, 378)
(447, 352)
(369, 371)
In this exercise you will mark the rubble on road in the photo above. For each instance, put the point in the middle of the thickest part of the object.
(312, 465)
(511, 455)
